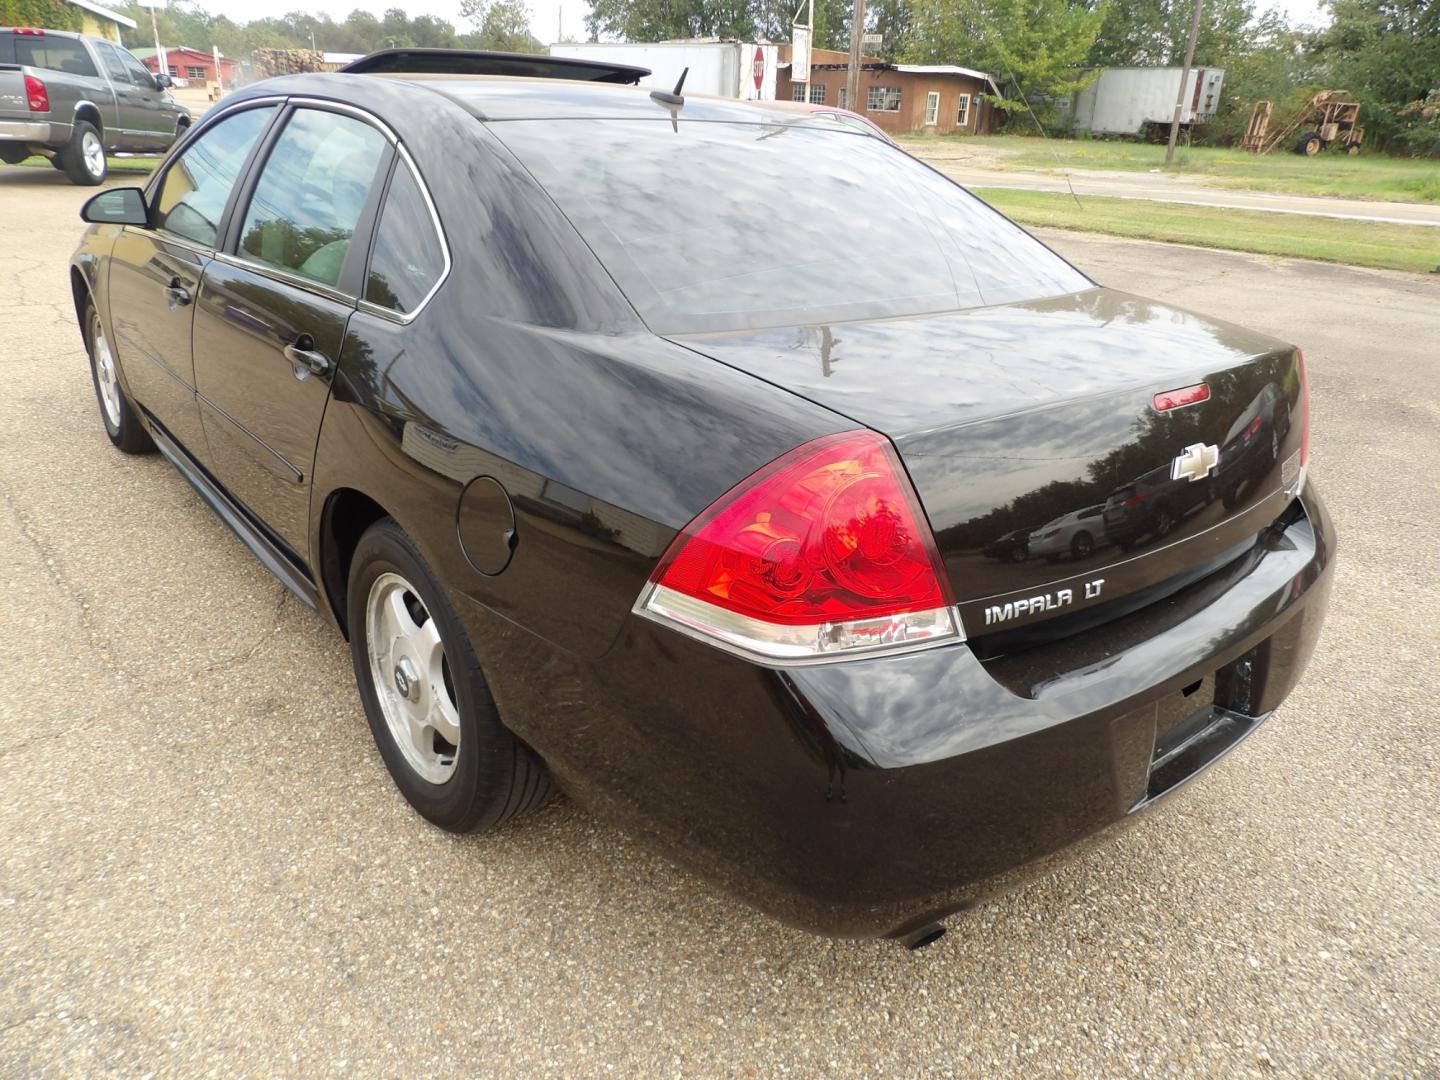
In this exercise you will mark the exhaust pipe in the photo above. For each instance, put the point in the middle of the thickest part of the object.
(926, 935)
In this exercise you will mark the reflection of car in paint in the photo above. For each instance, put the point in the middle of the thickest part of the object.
(843, 117)
(1076, 533)
(1152, 505)
(1252, 445)
(1014, 546)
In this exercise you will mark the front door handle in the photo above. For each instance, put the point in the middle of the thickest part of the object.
(300, 354)
(176, 294)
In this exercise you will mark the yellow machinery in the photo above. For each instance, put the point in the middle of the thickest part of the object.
(1322, 121)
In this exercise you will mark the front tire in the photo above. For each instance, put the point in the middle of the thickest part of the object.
(430, 709)
(83, 158)
(122, 423)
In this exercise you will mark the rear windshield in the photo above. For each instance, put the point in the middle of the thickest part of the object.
(48, 51)
(723, 226)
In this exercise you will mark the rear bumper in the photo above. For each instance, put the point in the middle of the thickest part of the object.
(868, 798)
(29, 131)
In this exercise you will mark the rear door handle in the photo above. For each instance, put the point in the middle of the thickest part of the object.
(300, 354)
(176, 294)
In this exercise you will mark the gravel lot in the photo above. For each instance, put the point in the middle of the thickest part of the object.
(204, 866)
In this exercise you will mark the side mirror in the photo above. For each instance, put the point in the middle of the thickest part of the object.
(118, 206)
(164, 81)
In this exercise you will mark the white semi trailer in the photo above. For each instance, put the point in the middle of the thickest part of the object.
(1141, 101)
(732, 69)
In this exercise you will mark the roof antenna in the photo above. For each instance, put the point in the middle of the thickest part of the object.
(672, 97)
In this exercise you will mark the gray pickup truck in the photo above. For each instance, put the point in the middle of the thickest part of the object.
(74, 98)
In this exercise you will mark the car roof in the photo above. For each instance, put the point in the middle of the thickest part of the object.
(502, 97)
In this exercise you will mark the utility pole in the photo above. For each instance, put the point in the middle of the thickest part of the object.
(857, 39)
(1184, 85)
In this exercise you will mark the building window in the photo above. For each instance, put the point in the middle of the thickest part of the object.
(932, 108)
(844, 97)
(962, 113)
(883, 99)
(193, 72)
(817, 93)
(174, 71)
(797, 91)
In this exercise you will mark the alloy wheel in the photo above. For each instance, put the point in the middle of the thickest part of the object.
(93, 153)
(412, 678)
(105, 377)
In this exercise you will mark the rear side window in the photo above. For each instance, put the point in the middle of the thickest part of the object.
(311, 194)
(196, 187)
(56, 53)
(408, 258)
(113, 64)
(721, 226)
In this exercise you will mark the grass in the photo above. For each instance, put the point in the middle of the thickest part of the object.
(140, 166)
(1358, 243)
(1365, 176)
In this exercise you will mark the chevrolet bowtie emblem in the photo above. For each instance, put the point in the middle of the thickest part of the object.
(1195, 462)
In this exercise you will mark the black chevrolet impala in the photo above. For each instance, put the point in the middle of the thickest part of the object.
(658, 448)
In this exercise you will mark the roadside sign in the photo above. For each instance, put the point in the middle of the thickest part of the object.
(759, 67)
(800, 55)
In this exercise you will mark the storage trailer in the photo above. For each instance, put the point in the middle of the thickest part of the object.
(1141, 100)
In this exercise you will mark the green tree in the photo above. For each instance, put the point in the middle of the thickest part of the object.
(1039, 49)
(1386, 53)
(500, 25)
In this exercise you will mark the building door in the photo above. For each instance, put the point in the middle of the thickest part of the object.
(932, 108)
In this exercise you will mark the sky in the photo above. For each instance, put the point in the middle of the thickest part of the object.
(545, 17)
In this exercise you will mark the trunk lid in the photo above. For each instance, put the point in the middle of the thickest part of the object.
(1033, 438)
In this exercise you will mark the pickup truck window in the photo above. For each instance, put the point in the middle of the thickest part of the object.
(55, 53)
(136, 70)
(197, 184)
(113, 64)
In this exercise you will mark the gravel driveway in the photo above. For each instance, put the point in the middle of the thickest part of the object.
(204, 866)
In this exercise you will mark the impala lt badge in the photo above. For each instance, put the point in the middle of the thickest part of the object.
(1195, 462)
(1033, 605)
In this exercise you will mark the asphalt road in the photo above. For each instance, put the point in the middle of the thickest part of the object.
(964, 165)
(204, 866)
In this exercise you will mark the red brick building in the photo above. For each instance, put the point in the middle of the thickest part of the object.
(898, 98)
(197, 67)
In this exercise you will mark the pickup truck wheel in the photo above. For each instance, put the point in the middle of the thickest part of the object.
(122, 422)
(429, 706)
(84, 156)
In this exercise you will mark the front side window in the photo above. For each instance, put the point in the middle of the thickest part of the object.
(680, 218)
(138, 72)
(55, 53)
(883, 99)
(408, 258)
(197, 185)
(311, 194)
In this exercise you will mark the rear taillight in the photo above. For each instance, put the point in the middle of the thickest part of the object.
(36, 95)
(1136, 499)
(823, 553)
(30, 31)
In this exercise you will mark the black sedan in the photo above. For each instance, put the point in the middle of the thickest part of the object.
(652, 447)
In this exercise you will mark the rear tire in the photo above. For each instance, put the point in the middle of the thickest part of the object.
(122, 423)
(1082, 545)
(1310, 144)
(430, 709)
(83, 158)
